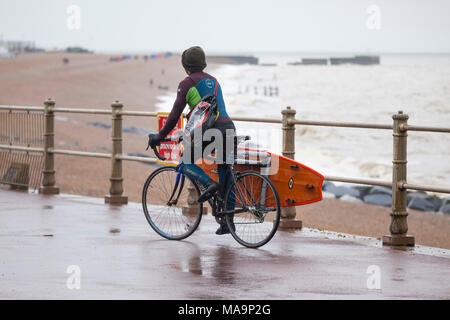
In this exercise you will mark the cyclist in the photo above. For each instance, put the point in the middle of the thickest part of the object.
(191, 90)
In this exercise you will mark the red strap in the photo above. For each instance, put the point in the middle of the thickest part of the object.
(215, 88)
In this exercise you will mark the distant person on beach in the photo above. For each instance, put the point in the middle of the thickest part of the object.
(191, 90)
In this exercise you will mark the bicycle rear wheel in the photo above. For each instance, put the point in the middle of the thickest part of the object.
(256, 196)
(173, 220)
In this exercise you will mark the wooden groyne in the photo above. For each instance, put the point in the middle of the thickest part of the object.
(364, 60)
(361, 60)
(234, 59)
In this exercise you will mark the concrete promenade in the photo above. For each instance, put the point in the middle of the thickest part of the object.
(120, 257)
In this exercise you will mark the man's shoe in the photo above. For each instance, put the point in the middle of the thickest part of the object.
(208, 192)
(223, 229)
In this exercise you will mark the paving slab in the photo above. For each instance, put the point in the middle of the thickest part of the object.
(46, 241)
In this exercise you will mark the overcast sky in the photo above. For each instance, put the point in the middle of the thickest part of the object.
(232, 25)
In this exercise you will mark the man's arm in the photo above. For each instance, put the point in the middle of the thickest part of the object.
(177, 108)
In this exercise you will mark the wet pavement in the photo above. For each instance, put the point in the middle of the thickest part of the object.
(49, 244)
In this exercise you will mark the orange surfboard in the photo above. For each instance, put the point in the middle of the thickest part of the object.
(296, 183)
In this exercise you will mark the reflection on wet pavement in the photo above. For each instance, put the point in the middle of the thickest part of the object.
(398, 274)
(122, 257)
(114, 230)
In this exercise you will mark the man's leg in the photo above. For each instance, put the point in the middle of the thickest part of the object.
(229, 152)
(195, 173)
(225, 181)
(193, 152)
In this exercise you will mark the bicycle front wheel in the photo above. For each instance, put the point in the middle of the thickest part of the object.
(169, 200)
(255, 201)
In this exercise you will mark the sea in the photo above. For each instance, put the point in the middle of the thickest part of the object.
(417, 84)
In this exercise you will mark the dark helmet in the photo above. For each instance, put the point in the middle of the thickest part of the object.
(193, 59)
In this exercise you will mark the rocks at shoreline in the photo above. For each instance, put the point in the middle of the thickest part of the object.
(445, 208)
(382, 196)
(340, 191)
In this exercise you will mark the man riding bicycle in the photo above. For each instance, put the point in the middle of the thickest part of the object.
(191, 90)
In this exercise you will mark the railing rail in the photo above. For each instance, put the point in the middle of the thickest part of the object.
(80, 153)
(19, 148)
(372, 182)
(400, 127)
(403, 185)
(340, 124)
(23, 108)
(424, 129)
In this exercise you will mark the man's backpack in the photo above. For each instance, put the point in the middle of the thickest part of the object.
(203, 116)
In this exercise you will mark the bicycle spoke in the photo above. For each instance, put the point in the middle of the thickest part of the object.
(252, 227)
(168, 220)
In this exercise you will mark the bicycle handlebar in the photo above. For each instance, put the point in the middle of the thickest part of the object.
(158, 155)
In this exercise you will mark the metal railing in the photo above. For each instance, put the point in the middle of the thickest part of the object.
(398, 229)
(21, 148)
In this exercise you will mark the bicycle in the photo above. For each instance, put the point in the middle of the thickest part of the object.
(248, 204)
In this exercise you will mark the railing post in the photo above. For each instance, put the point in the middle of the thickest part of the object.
(399, 214)
(116, 190)
(191, 209)
(48, 181)
(288, 220)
